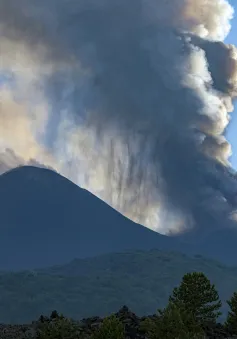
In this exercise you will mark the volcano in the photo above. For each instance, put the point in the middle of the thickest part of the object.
(47, 220)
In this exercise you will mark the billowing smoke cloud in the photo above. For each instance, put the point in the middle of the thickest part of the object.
(129, 99)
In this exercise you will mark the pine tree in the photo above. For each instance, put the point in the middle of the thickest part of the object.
(173, 323)
(231, 321)
(198, 296)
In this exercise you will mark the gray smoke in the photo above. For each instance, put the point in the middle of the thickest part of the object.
(136, 97)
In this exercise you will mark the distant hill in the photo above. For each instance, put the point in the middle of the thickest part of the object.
(47, 220)
(101, 285)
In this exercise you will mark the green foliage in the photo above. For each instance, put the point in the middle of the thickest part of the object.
(111, 328)
(58, 327)
(198, 296)
(173, 323)
(231, 321)
(100, 285)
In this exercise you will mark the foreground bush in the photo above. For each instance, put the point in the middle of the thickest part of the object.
(111, 328)
(58, 328)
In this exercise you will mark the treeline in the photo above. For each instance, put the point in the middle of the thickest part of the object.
(192, 312)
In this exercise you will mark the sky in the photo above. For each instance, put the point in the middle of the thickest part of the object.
(231, 131)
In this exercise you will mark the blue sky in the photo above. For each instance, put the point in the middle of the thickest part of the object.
(231, 132)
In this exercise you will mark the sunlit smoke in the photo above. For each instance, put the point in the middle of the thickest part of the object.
(127, 99)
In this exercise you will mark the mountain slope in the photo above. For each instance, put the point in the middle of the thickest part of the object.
(101, 285)
(47, 220)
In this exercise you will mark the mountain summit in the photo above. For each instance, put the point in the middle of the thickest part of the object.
(48, 220)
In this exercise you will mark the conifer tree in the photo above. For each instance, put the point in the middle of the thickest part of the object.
(174, 322)
(231, 321)
(198, 296)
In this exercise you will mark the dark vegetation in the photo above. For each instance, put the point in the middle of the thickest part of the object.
(192, 312)
(40, 209)
(99, 286)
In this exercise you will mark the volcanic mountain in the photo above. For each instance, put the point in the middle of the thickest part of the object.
(46, 220)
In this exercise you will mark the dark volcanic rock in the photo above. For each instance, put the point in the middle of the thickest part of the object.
(48, 220)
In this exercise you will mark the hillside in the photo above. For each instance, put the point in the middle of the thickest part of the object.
(48, 220)
(101, 285)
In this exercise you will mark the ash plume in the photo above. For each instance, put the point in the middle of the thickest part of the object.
(136, 98)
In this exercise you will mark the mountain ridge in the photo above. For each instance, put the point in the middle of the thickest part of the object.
(46, 220)
(143, 280)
